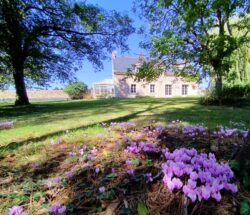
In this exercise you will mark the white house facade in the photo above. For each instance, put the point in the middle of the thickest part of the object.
(121, 85)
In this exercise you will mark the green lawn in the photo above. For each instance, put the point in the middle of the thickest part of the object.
(29, 156)
(47, 119)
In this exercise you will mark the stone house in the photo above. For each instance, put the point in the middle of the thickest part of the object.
(121, 85)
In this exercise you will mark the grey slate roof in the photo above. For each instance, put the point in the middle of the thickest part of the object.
(121, 64)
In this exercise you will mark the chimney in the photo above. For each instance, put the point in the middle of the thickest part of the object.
(141, 57)
(114, 54)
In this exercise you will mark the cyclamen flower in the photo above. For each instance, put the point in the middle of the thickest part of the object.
(72, 154)
(189, 192)
(149, 177)
(231, 187)
(131, 172)
(52, 142)
(15, 210)
(49, 184)
(97, 170)
(57, 209)
(128, 162)
(94, 151)
(8, 124)
(142, 146)
(57, 180)
(205, 192)
(102, 189)
(87, 165)
(172, 184)
(216, 196)
(35, 165)
(189, 165)
(69, 174)
(81, 152)
(91, 157)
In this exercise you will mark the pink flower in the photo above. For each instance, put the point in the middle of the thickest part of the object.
(190, 193)
(131, 172)
(191, 183)
(72, 154)
(149, 177)
(69, 174)
(57, 208)
(194, 176)
(102, 189)
(15, 210)
(81, 152)
(128, 162)
(94, 151)
(231, 187)
(216, 196)
(205, 192)
(177, 183)
(170, 184)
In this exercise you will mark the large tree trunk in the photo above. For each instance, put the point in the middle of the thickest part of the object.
(218, 83)
(218, 86)
(21, 93)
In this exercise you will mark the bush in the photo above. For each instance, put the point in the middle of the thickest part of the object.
(228, 95)
(76, 89)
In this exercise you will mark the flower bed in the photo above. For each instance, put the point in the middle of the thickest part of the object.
(127, 167)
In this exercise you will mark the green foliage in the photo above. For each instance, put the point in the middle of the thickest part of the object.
(246, 179)
(195, 37)
(76, 89)
(228, 94)
(141, 209)
(240, 70)
(38, 195)
(46, 40)
(234, 164)
(236, 92)
(136, 162)
(148, 162)
(244, 208)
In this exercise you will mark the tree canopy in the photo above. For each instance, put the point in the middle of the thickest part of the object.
(45, 40)
(76, 89)
(195, 36)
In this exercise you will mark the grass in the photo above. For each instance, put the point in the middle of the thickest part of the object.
(47, 119)
(78, 123)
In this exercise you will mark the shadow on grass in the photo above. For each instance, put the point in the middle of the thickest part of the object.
(161, 110)
(9, 111)
(15, 145)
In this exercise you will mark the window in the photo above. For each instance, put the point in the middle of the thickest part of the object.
(133, 88)
(152, 88)
(168, 90)
(184, 89)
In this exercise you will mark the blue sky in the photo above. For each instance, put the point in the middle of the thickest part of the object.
(88, 74)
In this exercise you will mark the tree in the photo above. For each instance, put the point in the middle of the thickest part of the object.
(195, 36)
(44, 40)
(76, 89)
(240, 71)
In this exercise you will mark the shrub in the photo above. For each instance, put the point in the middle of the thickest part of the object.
(76, 89)
(229, 95)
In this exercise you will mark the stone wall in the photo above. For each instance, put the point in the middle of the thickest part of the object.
(36, 95)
